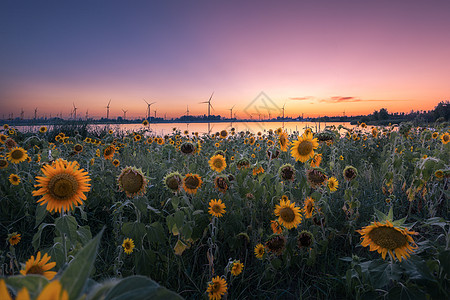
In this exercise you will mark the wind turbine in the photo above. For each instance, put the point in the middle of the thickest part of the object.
(231, 111)
(187, 111)
(21, 114)
(124, 114)
(155, 113)
(107, 109)
(148, 108)
(283, 109)
(209, 105)
(87, 114)
(35, 113)
(74, 112)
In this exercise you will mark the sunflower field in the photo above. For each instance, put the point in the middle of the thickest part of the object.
(345, 213)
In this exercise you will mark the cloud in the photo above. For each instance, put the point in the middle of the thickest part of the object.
(300, 98)
(347, 99)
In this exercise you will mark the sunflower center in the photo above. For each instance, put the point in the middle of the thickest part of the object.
(78, 148)
(36, 269)
(127, 245)
(215, 287)
(172, 183)
(132, 182)
(192, 182)
(287, 173)
(305, 148)
(446, 138)
(309, 207)
(287, 214)
(388, 237)
(3, 163)
(218, 163)
(62, 186)
(108, 151)
(16, 154)
(216, 208)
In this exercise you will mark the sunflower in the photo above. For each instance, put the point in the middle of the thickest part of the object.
(187, 148)
(316, 177)
(43, 129)
(128, 245)
(145, 122)
(305, 239)
(288, 214)
(132, 181)
(350, 173)
(223, 134)
(108, 152)
(333, 184)
(276, 244)
(237, 268)
(303, 148)
(341, 157)
(316, 160)
(160, 141)
(62, 185)
(221, 183)
(78, 148)
(137, 137)
(439, 174)
(217, 163)
(445, 138)
(386, 237)
(149, 140)
(116, 162)
(186, 132)
(283, 140)
(258, 170)
(173, 181)
(287, 172)
(3, 163)
(308, 207)
(276, 228)
(39, 266)
(17, 155)
(14, 179)
(3, 138)
(191, 183)
(363, 125)
(5, 126)
(52, 290)
(259, 251)
(216, 208)
(217, 287)
(14, 238)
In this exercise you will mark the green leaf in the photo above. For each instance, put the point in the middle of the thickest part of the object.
(139, 287)
(145, 262)
(75, 276)
(68, 225)
(84, 233)
(41, 212)
(390, 215)
(444, 259)
(33, 283)
(134, 230)
(37, 236)
(380, 216)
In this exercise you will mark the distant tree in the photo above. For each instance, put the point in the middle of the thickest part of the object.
(383, 114)
(442, 110)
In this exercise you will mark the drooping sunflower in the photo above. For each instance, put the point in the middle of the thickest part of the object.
(17, 155)
(62, 186)
(217, 287)
(305, 239)
(333, 184)
(287, 172)
(14, 238)
(259, 251)
(316, 177)
(243, 163)
(303, 148)
(350, 173)
(14, 179)
(276, 245)
(173, 181)
(109, 151)
(132, 181)
(39, 266)
(216, 208)
(385, 237)
(445, 138)
(217, 163)
(43, 129)
(258, 170)
(128, 245)
(221, 183)
(237, 268)
(187, 148)
(308, 207)
(191, 183)
(288, 214)
(283, 140)
(3, 163)
(341, 157)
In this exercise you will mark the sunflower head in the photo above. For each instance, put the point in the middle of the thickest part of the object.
(3, 163)
(276, 244)
(305, 239)
(109, 151)
(78, 148)
(273, 153)
(221, 183)
(316, 160)
(316, 177)
(332, 184)
(217, 287)
(288, 214)
(223, 134)
(145, 122)
(216, 208)
(283, 141)
(39, 266)
(259, 251)
(17, 155)
(287, 172)
(173, 181)
(243, 163)
(325, 136)
(445, 138)
(217, 163)
(128, 245)
(116, 162)
(14, 179)
(187, 148)
(303, 148)
(236, 267)
(132, 181)
(275, 226)
(43, 129)
(308, 207)
(191, 183)
(350, 173)
(14, 238)
(3, 138)
(10, 143)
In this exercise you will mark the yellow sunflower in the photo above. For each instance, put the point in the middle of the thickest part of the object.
(288, 214)
(341, 157)
(132, 181)
(78, 148)
(259, 251)
(223, 134)
(283, 140)
(3, 138)
(3, 163)
(17, 155)
(217, 287)
(128, 245)
(308, 207)
(445, 138)
(43, 129)
(14, 179)
(216, 208)
(191, 183)
(14, 238)
(217, 163)
(116, 162)
(62, 185)
(333, 184)
(276, 228)
(53, 291)
(108, 152)
(386, 237)
(316, 160)
(39, 266)
(145, 122)
(237, 268)
(303, 148)
(160, 141)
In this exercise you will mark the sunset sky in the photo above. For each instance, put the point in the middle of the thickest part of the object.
(316, 57)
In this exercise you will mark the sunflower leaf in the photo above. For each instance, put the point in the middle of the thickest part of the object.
(33, 283)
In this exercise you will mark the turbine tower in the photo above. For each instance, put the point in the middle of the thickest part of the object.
(87, 114)
(148, 108)
(283, 109)
(209, 104)
(231, 111)
(107, 109)
(35, 113)
(155, 113)
(124, 114)
(74, 111)
(187, 111)
(21, 114)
